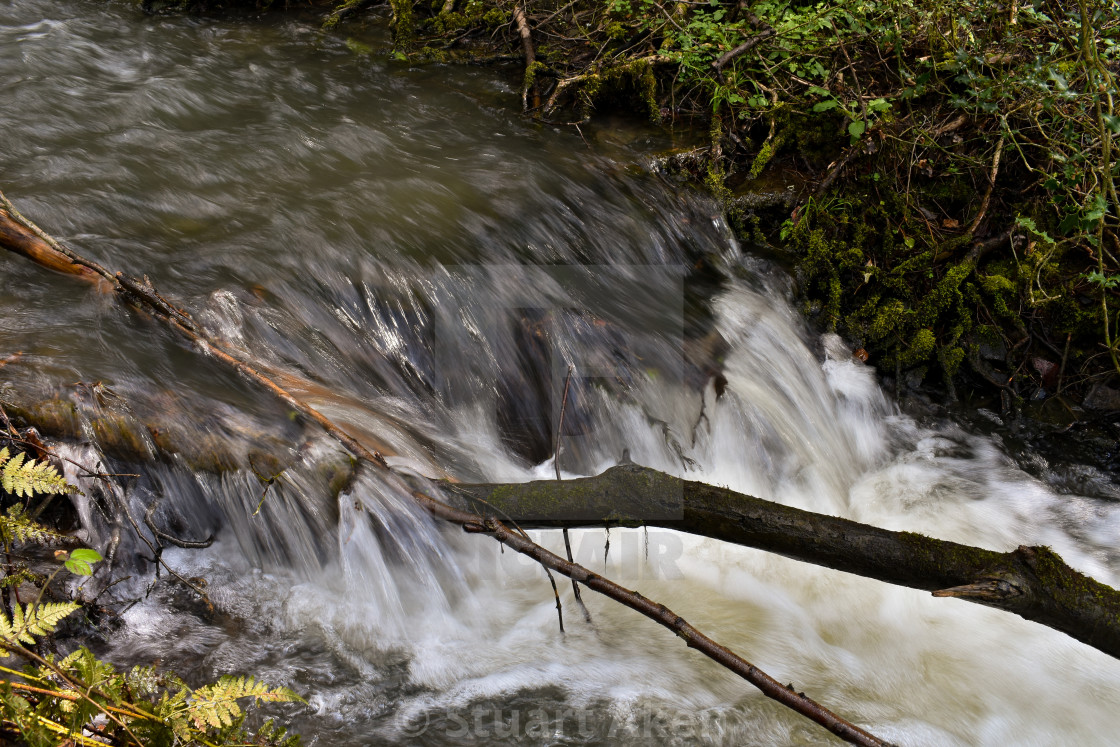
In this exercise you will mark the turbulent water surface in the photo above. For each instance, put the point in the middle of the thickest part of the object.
(423, 266)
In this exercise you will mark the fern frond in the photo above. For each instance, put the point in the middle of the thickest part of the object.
(28, 478)
(16, 527)
(32, 620)
(21, 574)
(216, 704)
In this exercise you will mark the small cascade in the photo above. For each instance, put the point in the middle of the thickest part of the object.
(427, 287)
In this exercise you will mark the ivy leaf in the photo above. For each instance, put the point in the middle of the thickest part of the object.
(878, 105)
(1097, 211)
(1112, 122)
(1105, 281)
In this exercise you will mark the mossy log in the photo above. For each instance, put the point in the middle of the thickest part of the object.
(1032, 582)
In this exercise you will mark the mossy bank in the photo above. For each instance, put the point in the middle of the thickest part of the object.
(946, 170)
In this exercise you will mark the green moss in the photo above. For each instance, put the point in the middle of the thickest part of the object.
(472, 14)
(716, 178)
(951, 559)
(1056, 575)
(1000, 290)
(765, 153)
(531, 73)
(403, 24)
(339, 11)
(951, 359)
(920, 347)
(946, 296)
(630, 78)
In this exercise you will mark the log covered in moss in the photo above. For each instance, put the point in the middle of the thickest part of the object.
(1032, 582)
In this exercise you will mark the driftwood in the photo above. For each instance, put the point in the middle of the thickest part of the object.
(17, 238)
(1032, 582)
(50, 253)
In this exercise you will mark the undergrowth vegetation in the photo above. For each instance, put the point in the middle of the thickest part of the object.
(953, 162)
(78, 699)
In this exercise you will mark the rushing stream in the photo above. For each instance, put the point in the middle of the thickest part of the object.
(424, 264)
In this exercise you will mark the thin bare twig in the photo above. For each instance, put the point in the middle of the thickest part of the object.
(743, 48)
(556, 463)
(991, 183)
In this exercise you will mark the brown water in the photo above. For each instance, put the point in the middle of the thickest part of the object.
(401, 238)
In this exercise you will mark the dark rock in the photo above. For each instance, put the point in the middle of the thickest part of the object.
(1102, 397)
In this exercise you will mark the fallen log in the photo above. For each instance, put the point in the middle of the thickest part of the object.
(1032, 582)
(143, 294)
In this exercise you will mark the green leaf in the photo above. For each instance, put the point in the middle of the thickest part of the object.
(878, 105)
(1105, 281)
(1112, 122)
(15, 526)
(87, 555)
(856, 128)
(81, 561)
(216, 705)
(79, 568)
(25, 479)
(32, 620)
(1097, 211)
(824, 106)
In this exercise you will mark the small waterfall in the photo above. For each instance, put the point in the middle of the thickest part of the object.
(407, 631)
(426, 286)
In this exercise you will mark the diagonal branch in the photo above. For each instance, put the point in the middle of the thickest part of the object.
(530, 59)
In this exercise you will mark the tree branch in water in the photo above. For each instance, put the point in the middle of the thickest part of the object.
(1032, 582)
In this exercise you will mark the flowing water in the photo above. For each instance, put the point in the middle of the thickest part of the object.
(422, 265)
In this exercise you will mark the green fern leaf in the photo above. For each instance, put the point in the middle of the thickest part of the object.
(28, 478)
(19, 625)
(216, 704)
(16, 527)
(32, 620)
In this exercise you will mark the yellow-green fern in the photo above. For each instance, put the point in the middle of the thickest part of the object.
(28, 478)
(32, 620)
(216, 705)
(15, 526)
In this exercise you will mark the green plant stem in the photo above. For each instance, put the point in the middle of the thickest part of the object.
(80, 688)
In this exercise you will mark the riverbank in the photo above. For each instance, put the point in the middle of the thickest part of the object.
(940, 176)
